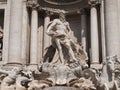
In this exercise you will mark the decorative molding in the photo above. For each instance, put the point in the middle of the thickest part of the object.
(3, 0)
(83, 11)
(51, 10)
(33, 4)
(93, 2)
(62, 2)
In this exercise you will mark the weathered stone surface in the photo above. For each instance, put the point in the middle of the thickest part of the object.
(34, 31)
(15, 32)
(94, 35)
(112, 28)
(61, 88)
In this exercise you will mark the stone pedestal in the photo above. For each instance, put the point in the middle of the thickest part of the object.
(33, 42)
(15, 34)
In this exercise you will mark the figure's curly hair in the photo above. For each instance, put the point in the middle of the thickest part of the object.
(62, 16)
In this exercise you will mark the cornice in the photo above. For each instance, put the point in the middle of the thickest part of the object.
(60, 2)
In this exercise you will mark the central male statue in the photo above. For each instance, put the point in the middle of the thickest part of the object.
(59, 30)
(68, 50)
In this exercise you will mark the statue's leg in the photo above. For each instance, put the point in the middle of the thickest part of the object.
(59, 48)
(70, 51)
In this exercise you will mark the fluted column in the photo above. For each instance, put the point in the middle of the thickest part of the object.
(94, 34)
(119, 17)
(84, 29)
(103, 30)
(46, 37)
(6, 32)
(25, 32)
(40, 40)
(104, 75)
(33, 42)
(112, 30)
(15, 31)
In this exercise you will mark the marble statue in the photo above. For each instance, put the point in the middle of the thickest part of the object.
(59, 30)
(68, 50)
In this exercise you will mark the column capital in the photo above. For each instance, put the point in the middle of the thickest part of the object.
(48, 13)
(93, 2)
(83, 11)
(33, 4)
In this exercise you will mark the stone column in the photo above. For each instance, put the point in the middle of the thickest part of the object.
(111, 27)
(102, 29)
(6, 32)
(15, 34)
(24, 34)
(33, 42)
(40, 40)
(119, 17)
(46, 37)
(84, 29)
(94, 34)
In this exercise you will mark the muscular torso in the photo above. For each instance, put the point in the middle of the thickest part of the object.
(60, 28)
